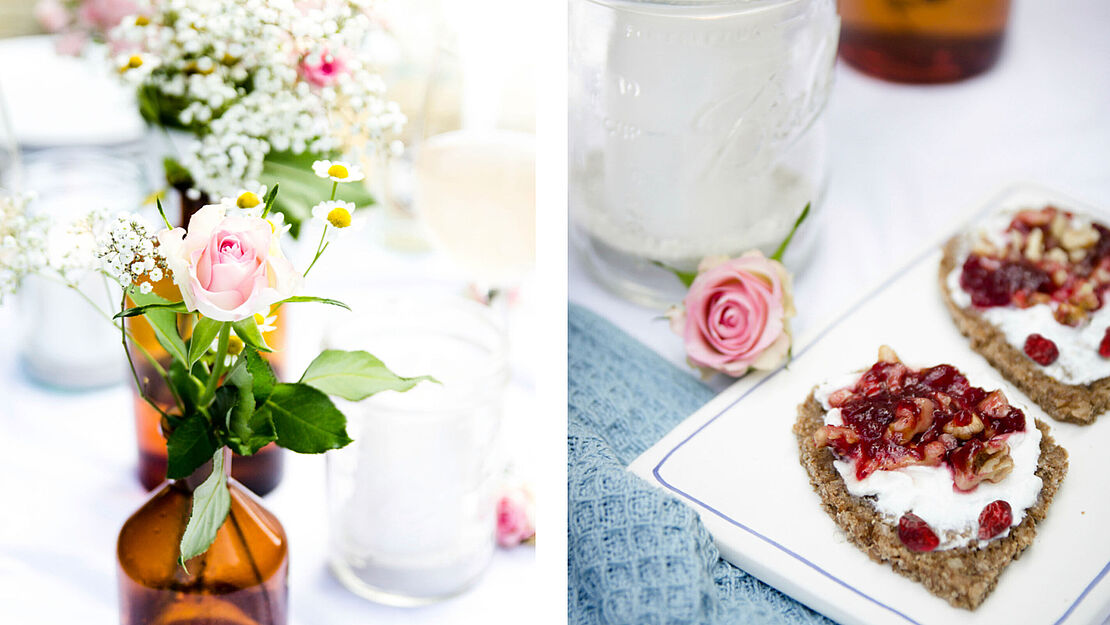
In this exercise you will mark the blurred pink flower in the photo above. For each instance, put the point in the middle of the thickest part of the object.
(515, 517)
(71, 43)
(324, 68)
(104, 15)
(51, 15)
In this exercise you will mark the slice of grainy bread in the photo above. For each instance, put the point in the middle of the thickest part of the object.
(963, 576)
(1065, 402)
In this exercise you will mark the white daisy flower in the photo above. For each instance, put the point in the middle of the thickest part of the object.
(338, 171)
(336, 214)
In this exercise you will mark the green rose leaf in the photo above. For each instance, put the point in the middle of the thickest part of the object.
(211, 503)
(163, 320)
(247, 429)
(185, 386)
(262, 376)
(354, 376)
(305, 419)
(247, 330)
(190, 445)
(204, 332)
(177, 307)
(321, 300)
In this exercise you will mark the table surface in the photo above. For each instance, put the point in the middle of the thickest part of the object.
(907, 161)
(67, 471)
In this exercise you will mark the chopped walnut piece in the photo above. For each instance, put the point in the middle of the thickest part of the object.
(1058, 256)
(975, 462)
(887, 354)
(826, 435)
(1034, 245)
(1059, 224)
(911, 420)
(995, 405)
(840, 397)
(1079, 238)
(965, 431)
(934, 453)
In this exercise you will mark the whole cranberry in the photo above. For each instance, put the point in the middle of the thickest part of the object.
(916, 534)
(994, 519)
(1042, 350)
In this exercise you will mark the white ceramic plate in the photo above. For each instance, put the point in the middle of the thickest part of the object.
(736, 462)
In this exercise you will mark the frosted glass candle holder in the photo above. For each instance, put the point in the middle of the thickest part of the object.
(412, 499)
(695, 129)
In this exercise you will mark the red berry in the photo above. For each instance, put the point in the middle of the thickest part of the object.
(916, 534)
(1041, 350)
(994, 519)
(1104, 346)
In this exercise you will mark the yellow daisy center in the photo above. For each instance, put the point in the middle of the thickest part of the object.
(234, 345)
(259, 319)
(339, 217)
(142, 20)
(135, 61)
(338, 171)
(247, 200)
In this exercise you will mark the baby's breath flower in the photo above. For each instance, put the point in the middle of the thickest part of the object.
(236, 71)
(22, 243)
(127, 253)
(337, 171)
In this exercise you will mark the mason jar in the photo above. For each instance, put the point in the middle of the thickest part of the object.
(412, 501)
(695, 130)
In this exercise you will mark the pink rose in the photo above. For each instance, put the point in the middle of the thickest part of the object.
(228, 267)
(323, 69)
(51, 15)
(104, 15)
(515, 522)
(736, 315)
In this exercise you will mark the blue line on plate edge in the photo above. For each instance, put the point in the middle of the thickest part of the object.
(883, 286)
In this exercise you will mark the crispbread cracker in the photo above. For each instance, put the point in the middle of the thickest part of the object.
(963, 576)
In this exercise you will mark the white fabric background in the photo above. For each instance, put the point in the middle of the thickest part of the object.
(907, 161)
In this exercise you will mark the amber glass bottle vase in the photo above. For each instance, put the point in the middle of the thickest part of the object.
(922, 41)
(261, 472)
(241, 580)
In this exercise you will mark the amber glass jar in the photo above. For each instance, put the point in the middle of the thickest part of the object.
(241, 580)
(261, 472)
(922, 41)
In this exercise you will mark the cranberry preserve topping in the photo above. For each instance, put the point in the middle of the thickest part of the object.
(1043, 351)
(1104, 345)
(994, 519)
(916, 534)
(1050, 258)
(895, 416)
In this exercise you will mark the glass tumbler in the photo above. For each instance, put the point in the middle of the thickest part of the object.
(695, 130)
(412, 499)
(66, 341)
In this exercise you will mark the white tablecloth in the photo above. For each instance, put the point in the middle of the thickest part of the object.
(907, 161)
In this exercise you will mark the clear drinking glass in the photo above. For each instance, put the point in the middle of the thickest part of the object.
(65, 342)
(695, 129)
(412, 499)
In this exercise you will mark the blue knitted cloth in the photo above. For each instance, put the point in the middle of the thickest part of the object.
(636, 555)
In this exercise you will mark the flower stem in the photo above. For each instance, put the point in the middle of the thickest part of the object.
(320, 247)
(334, 186)
(217, 365)
(785, 242)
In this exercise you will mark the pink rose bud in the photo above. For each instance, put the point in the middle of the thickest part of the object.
(104, 15)
(228, 268)
(51, 15)
(323, 69)
(515, 517)
(736, 315)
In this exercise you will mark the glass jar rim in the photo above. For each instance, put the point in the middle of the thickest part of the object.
(489, 374)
